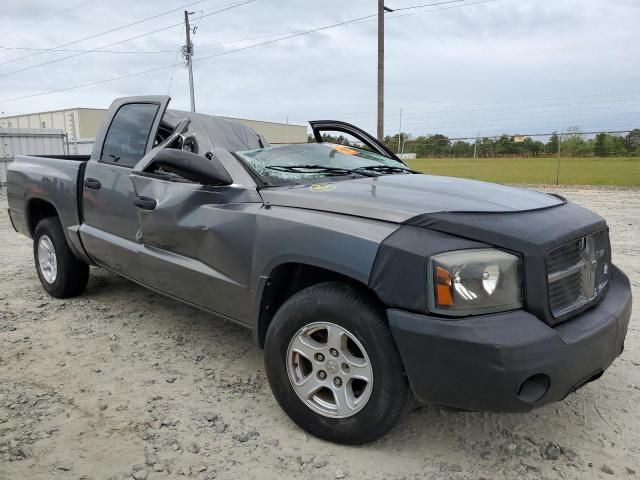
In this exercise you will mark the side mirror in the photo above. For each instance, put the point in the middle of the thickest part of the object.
(192, 167)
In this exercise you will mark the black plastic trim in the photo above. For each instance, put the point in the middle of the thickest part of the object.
(530, 233)
(11, 220)
(480, 363)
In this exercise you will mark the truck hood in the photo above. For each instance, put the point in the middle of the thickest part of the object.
(397, 198)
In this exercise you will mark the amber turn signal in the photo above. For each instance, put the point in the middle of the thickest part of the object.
(444, 294)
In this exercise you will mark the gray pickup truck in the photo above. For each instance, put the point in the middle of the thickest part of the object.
(366, 283)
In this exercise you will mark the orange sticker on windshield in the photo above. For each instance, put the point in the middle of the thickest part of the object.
(346, 150)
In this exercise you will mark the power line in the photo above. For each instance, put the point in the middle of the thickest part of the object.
(298, 34)
(175, 62)
(96, 35)
(74, 87)
(100, 49)
(393, 15)
(314, 30)
(245, 39)
(358, 20)
(84, 51)
(413, 7)
(204, 45)
(479, 115)
(518, 103)
(97, 49)
(172, 65)
(48, 17)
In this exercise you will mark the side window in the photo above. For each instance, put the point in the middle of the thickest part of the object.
(341, 138)
(126, 139)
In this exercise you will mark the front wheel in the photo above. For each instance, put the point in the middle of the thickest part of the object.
(333, 365)
(61, 274)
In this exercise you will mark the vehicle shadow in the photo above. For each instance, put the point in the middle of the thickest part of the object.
(485, 438)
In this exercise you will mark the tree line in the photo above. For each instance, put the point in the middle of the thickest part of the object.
(572, 143)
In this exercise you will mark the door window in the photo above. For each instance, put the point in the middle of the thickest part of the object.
(337, 137)
(126, 140)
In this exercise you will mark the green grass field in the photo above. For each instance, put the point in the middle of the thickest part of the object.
(573, 171)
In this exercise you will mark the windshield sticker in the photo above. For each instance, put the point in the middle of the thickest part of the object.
(346, 150)
(322, 187)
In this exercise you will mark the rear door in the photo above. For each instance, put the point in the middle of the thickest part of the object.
(110, 222)
(329, 127)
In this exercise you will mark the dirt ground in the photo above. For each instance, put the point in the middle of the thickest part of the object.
(124, 383)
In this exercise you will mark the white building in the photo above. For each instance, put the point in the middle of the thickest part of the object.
(81, 126)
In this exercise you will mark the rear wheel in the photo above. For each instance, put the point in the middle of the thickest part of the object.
(61, 274)
(333, 365)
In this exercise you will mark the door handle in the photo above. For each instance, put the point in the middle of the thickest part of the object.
(145, 203)
(92, 183)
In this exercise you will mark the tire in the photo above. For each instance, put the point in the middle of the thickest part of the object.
(69, 276)
(301, 322)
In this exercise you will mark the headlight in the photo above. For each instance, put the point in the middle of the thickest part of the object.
(473, 282)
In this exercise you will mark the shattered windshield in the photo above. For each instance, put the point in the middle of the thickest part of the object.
(304, 163)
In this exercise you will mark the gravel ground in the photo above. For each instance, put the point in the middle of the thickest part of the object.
(123, 383)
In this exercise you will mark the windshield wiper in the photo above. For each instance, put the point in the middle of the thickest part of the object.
(316, 169)
(369, 171)
(385, 169)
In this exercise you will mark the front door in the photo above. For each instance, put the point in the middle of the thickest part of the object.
(322, 127)
(197, 240)
(110, 222)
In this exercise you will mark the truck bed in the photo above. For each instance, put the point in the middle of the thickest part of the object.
(75, 158)
(56, 179)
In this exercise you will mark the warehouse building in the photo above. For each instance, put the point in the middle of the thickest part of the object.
(81, 125)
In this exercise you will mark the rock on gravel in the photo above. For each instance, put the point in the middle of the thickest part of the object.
(64, 466)
(245, 437)
(140, 475)
(607, 469)
(552, 452)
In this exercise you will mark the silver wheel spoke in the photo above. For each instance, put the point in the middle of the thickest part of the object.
(305, 346)
(309, 386)
(47, 259)
(336, 337)
(329, 370)
(359, 370)
(345, 401)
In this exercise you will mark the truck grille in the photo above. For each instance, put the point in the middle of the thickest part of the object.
(578, 273)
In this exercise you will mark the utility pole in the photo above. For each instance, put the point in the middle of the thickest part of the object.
(475, 152)
(188, 53)
(400, 132)
(558, 164)
(381, 11)
(381, 70)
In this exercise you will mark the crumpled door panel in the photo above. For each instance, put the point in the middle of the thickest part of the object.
(197, 244)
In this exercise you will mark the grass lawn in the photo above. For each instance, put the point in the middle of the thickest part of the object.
(573, 171)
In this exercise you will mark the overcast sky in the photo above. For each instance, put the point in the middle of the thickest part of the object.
(523, 66)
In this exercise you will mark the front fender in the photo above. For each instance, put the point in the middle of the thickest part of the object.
(340, 243)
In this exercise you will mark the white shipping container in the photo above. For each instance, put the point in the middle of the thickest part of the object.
(28, 141)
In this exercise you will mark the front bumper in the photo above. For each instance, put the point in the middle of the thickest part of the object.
(510, 362)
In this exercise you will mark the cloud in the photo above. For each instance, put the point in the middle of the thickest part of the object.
(500, 66)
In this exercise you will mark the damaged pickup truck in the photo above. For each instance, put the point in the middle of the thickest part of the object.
(366, 283)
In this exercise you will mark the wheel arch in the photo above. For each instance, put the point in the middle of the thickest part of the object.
(37, 210)
(286, 279)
